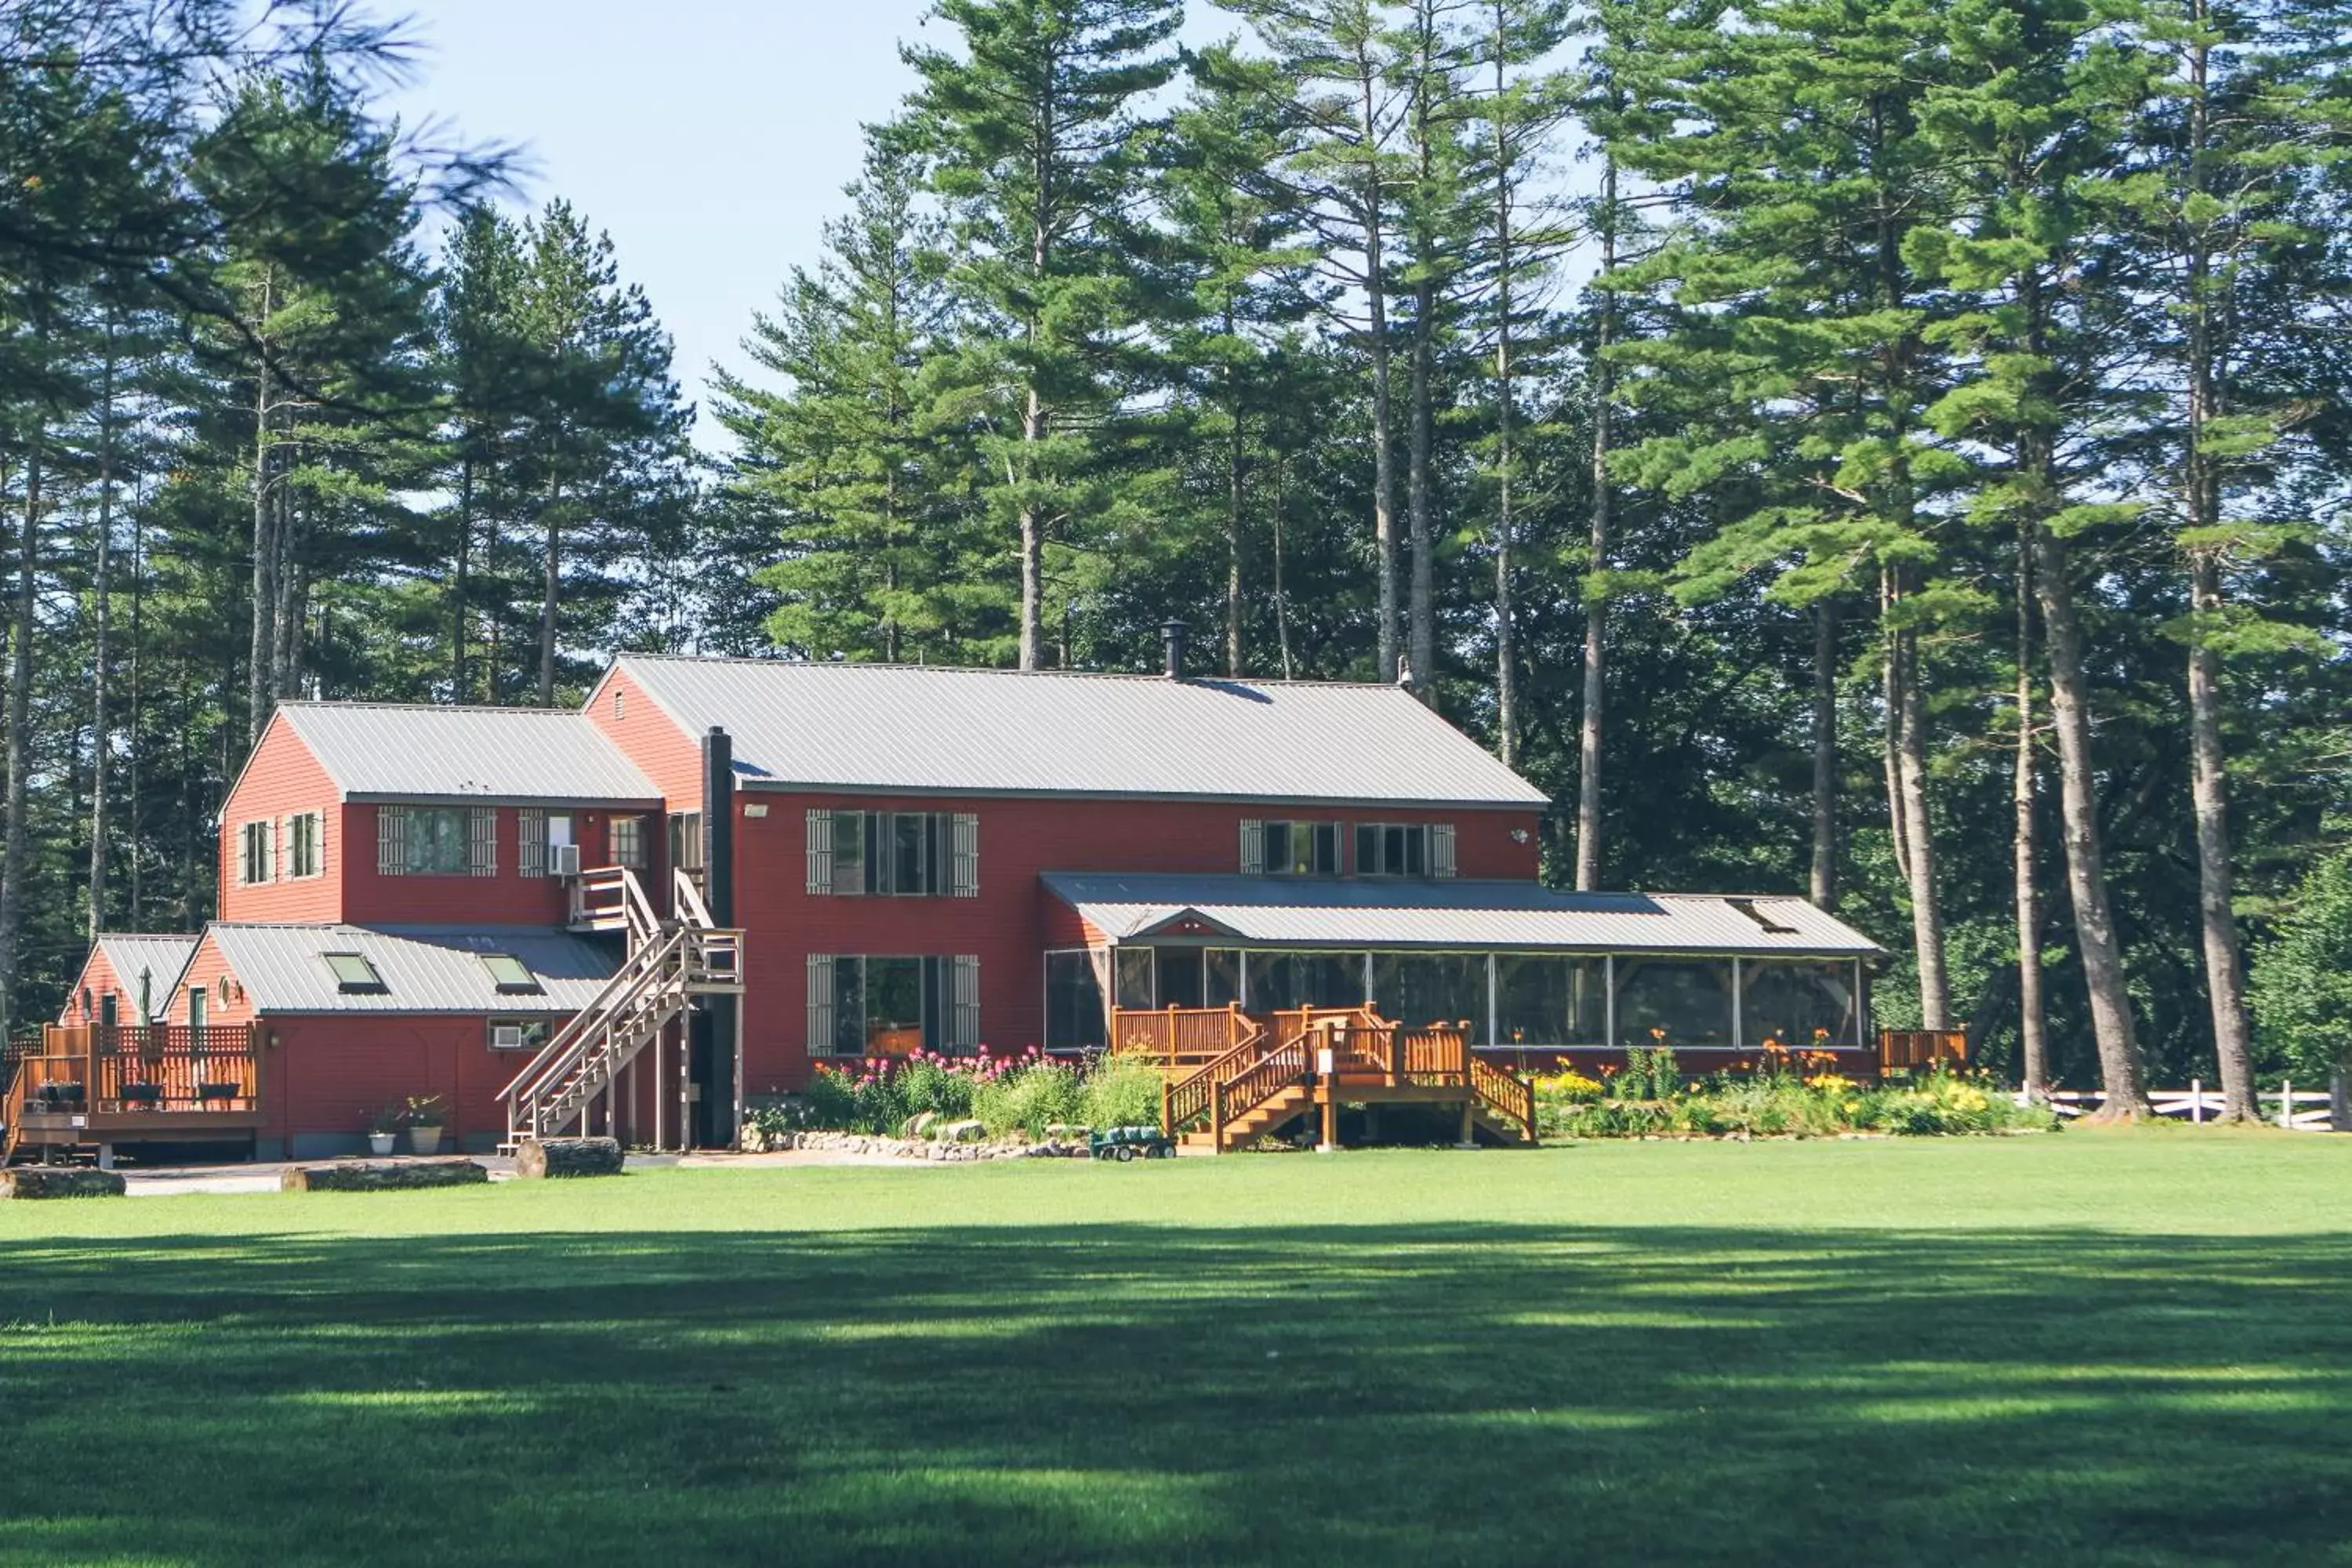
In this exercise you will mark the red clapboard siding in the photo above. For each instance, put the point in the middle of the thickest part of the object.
(282, 779)
(1013, 920)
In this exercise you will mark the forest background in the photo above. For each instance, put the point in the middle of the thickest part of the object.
(1890, 450)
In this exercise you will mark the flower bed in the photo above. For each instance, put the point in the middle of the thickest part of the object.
(1792, 1096)
(1025, 1097)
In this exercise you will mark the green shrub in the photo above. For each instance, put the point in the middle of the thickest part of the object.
(1027, 1099)
(1120, 1092)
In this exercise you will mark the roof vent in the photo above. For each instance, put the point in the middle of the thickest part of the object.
(1172, 641)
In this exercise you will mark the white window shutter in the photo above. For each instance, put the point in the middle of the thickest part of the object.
(1440, 848)
(482, 841)
(391, 840)
(964, 1027)
(1253, 847)
(820, 1003)
(530, 842)
(966, 883)
(820, 853)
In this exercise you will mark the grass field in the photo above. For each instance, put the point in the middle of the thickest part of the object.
(2125, 1347)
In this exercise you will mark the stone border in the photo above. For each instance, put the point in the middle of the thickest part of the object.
(918, 1148)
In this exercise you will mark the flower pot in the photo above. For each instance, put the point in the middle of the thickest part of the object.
(381, 1142)
(424, 1140)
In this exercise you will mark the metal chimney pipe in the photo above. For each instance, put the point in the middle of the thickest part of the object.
(1171, 640)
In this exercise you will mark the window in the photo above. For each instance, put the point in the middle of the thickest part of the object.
(199, 1007)
(306, 843)
(901, 852)
(1422, 988)
(1221, 977)
(512, 977)
(438, 841)
(538, 836)
(1280, 980)
(354, 975)
(1290, 848)
(1541, 999)
(685, 840)
(518, 1034)
(889, 1005)
(107, 1013)
(628, 842)
(1802, 1003)
(1391, 850)
(254, 842)
(1135, 977)
(1073, 1003)
(1689, 999)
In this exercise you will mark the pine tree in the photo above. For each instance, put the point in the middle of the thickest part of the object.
(1033, 136)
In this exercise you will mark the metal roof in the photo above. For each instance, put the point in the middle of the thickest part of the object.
(425, 969)
(988, 732)
(162, 956)
(1327, 912)
(384, 750)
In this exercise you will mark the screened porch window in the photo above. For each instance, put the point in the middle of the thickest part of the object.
(1542, 999)
(1073, 1003)
(1788, 1001)
(1688, 998)
(1283, 980)
(1419, 988)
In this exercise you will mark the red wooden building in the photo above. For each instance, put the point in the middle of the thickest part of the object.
(716, 874)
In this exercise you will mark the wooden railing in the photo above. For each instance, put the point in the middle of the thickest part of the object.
(1274, 1071)
(1180, 1037)
(1508, 1096)
(1185, 1099)
(1902, 1048)
(166, 1068)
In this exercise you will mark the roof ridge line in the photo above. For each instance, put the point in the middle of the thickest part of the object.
(1203, 679)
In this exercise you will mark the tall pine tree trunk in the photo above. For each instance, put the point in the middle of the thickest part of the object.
(459, 590)
(101, 595)
(1281, 596)
(1376, 298)
(1420, 501)
(1823, 880)
(551, 596)
(1233, 496)
(1595, 597)
(16, 839)
(261, 670)
(135, 861)
(2032, 1022)
(1506, 685)
(2225, 984)
(1926, 904)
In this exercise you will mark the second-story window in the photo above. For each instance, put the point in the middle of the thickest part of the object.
(1404, 849)
(1290, 848)
(541, 840)
(438, 841)
(305, 843)
(901, 852)
(254, 842)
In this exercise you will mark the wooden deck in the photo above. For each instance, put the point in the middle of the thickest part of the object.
(1231, 1077)
(95, 1085)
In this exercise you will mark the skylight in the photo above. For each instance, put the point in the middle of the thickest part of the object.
(354, 975)
(1770, 922)
(513, 979)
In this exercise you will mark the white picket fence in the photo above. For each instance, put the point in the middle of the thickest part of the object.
(2303, 1111)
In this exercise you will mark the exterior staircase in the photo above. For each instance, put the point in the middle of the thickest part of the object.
(670, 962)
(1310, 1058)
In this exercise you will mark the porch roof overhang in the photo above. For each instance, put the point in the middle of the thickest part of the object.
(1326, 912)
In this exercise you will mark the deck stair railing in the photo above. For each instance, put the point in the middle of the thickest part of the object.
(669, 963)
(1226, 1091)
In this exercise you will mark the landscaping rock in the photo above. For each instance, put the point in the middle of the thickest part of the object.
(60, 1182)
(381, 1176)
(563, 1157)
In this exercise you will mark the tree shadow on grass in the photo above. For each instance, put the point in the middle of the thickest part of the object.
(1485, 1393)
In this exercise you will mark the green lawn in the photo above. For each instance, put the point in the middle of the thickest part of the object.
(2088, 1347)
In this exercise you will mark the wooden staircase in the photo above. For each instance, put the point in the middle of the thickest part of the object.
(1313, 1059)
(670, 962)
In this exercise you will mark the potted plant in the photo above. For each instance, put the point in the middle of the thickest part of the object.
(383, 1127)
(424, 1118)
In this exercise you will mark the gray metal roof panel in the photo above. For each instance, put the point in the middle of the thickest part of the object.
(161, 955)
(404, 749)
(985, 731)
(1351, 913)
(425, 969)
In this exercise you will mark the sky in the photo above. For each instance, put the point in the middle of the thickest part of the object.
(711, 138)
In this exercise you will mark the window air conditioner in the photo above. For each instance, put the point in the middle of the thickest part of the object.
(563, 859)
(506, 1037)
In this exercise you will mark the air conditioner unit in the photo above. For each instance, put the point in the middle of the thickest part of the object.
(506, 1037)
(563, 859)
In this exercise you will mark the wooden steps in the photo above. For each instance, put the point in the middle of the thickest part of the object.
(1287, 1105)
